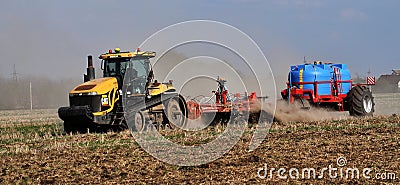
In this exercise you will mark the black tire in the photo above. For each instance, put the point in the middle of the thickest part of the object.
(360, 101)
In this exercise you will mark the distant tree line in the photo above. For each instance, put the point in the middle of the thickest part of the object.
(46, 93)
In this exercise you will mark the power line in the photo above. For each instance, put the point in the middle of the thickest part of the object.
(15, 74)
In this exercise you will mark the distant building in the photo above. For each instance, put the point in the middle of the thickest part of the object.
(396, 72)
(388, 83)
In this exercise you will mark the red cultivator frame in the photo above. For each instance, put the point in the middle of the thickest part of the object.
(220, 110)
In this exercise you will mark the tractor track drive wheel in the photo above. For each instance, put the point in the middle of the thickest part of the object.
(360, 101)
(140, 121)
(176, 112)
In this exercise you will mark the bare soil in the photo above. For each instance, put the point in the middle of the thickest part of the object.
(35, 151)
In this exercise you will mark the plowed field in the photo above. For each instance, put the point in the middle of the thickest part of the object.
(34, 150)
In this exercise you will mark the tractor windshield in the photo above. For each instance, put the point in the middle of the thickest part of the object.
(135, 69)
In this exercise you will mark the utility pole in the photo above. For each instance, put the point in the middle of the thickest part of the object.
(30, 94)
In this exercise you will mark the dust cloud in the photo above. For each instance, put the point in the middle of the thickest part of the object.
(285, 112)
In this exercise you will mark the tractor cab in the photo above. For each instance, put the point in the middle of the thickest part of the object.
(132, 65)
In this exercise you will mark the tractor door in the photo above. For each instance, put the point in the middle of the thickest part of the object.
(137, 73)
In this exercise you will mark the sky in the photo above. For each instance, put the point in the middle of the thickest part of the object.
(52, 38)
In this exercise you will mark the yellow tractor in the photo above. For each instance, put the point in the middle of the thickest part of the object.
(127, 90)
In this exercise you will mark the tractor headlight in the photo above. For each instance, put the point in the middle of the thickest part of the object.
(83, 94)
(92, 93)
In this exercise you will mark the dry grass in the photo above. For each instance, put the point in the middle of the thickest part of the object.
(33, 150)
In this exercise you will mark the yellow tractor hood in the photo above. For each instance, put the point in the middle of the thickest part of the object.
(96, 86)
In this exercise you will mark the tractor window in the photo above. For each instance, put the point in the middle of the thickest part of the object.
(138, 77)
(141, 68)
(115, 67)
(109, 69)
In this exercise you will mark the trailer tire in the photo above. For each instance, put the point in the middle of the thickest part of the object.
(360, 101)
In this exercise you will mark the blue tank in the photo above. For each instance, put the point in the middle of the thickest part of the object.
(319, 72)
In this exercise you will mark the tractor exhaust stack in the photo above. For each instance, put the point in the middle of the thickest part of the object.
(90, 74)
